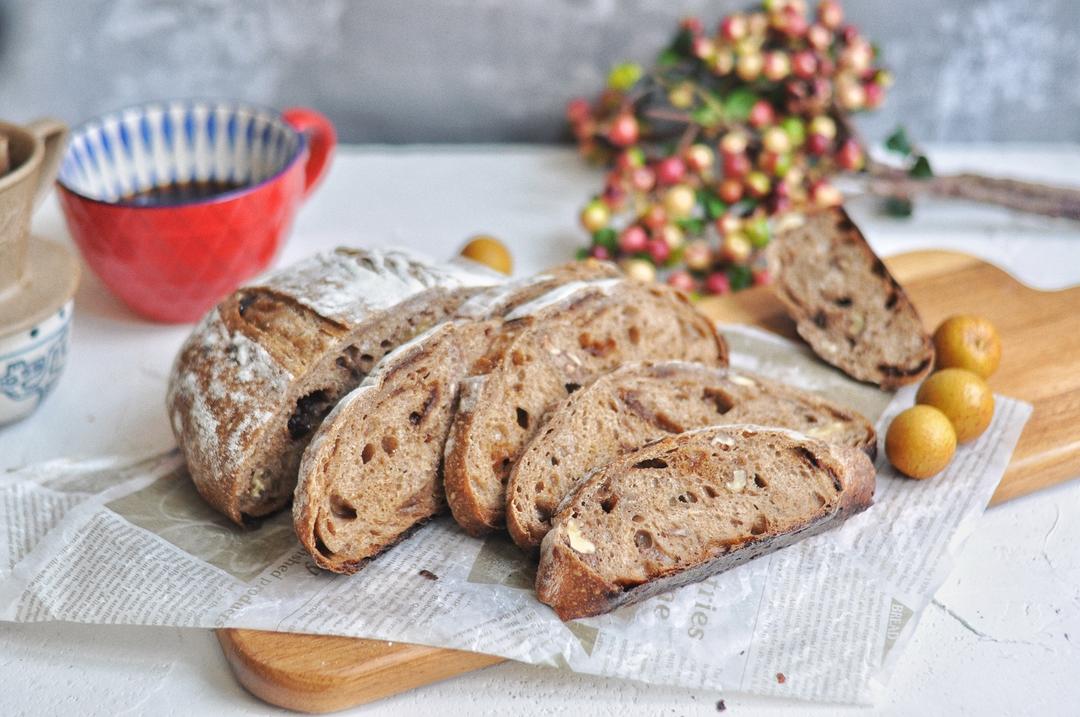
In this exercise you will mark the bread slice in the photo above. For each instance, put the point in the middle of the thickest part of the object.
(584, 331)
(641, 402)
(692, 505)
(380, 449)
(372, 471)
(846, 304)
(262, 369)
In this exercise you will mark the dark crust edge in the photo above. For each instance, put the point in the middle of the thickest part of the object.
(574, 590)
(803, 322)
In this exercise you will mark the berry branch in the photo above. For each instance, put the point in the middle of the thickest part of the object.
(734, 127)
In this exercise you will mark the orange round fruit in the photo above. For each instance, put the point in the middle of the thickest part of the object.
(489, 251)
(963, 397)
(920, 442)
(970, 342)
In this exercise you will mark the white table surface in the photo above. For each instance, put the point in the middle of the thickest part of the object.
(1003, 633)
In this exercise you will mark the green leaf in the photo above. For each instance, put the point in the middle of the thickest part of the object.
(740, 277)
(582, 253)
(707, 116)
(714, 205)
(692, 227)
(667, 58)
(606, 238)
(898, 207)
(898, 142)
(758, 232)
(738, 102)
(682, 43)
(921, 169)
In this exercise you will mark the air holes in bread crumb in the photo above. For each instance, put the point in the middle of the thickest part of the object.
(842, 301)
(711, 492)
(634, 333)
(322, 547)
(554, 461)
(688, 497)
(891, 301)
(638, 519)
(571, 387)
(341, 508)
(414, 418)
(651, 463)
(643, 540)
(759, 481)
(609, 502)
(389, 444)
(368, 453)
(760, 525)
(522, 418)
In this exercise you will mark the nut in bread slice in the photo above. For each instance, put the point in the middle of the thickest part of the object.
(846, 304)
(692, 505)
(569, 337)
(641, 402)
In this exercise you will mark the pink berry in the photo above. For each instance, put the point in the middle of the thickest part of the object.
(659, 250)
(818, 144)
(633, 239)
(699, 157)
(850, 156)
(830, 14)
(624, 130)
(642, 179)
(734, 27)
(819, 37)
(875, 94)
(577, 110)
(733, 143)
(850, 33)
(655, 217)
(804, 64)
(777, 66)
(693, 24)
(826, 195)
(670, 170)
(698, 255)
(703, 48)
(761, 114)
(614, 196)
(601, 253)
(736, 165)
(682, 281)
(761, 277)
(718, 283)
(794, 23)
(730, 190)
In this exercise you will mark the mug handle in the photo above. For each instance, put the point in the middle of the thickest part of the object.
(53, 134)
(321, 139)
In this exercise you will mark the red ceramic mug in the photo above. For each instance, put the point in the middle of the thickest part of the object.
(173, 205)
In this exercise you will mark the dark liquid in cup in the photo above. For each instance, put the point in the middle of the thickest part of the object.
(180, 193)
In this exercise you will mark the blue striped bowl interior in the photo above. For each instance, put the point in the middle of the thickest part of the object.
(139, 148)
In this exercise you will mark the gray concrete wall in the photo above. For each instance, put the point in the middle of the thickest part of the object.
(484, 70)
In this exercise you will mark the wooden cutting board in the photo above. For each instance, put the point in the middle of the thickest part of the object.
(1040, 364)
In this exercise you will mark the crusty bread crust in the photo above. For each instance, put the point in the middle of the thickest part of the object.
(568, 338)
(261, 370)
(641, 402)
(845, 303)
(572, 586)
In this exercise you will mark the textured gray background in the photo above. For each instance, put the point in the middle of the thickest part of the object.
(484, 70)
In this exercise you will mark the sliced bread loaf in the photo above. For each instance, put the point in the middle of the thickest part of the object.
(641, 402)
(582, 331)
(372, 471)
(380, 449)
(846, 304)
(692, 505)
(259, 373)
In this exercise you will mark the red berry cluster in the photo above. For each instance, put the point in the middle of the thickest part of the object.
(726, 131)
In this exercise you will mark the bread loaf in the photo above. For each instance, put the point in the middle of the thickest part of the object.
(641, 402)
(262, 369)
(692, 505)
